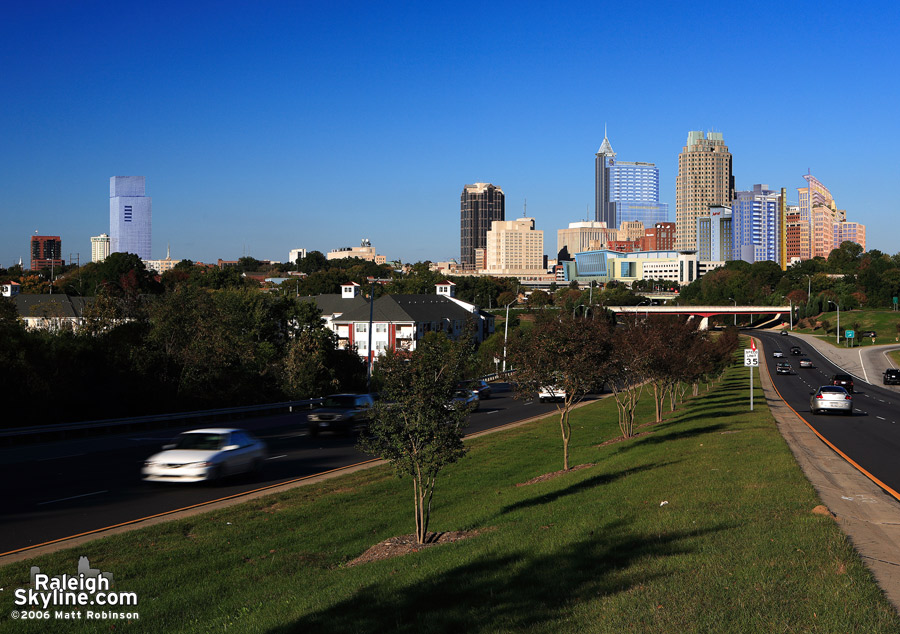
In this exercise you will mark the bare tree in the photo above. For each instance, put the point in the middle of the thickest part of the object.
(630, 368)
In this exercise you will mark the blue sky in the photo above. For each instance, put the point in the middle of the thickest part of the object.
(262, 127)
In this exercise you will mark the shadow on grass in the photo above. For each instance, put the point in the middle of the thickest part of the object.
(589, 483)
(657, 438)
(514, 591)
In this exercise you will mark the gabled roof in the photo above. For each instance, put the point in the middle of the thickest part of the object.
(408, 308)
(50, 306)
(332, 304)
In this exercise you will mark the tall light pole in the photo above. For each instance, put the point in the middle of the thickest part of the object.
(808, 287)
(838, 332)
(506, 331)
(735, 310)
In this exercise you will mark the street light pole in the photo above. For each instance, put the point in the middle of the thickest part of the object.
(370, 357)
(735, 310)
(838, 331)
(506, 331)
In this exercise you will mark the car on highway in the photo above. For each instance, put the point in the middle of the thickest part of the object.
(806, 362)
(551, 393)
(784, 333)
(831, 398)
(464, 398)
(844, 381)
(891, 376)
(482, 389)
(341, 413)
(795, 350)
(868, 333)
(778, 354)
(783, 367)
(206, 455)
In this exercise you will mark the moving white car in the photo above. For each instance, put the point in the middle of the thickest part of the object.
(551, 393)
(206, 454)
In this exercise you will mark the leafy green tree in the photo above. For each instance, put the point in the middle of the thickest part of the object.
(313, 366)
(412, 427)
(562, 354)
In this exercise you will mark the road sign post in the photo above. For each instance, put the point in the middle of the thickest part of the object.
(751, 360)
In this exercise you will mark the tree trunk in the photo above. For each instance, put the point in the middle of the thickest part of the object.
(566, 431)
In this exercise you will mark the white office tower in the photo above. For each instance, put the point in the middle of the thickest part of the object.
(99, 247)
(129, 216)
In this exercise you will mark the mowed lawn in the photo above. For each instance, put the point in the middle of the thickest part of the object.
(704, 524)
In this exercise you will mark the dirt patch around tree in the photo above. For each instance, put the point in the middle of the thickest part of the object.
(555, 474)
(405, 544)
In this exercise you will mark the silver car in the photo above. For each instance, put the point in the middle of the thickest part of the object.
(206, 454)
(831, 398)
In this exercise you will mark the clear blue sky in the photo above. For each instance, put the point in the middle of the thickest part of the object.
(266, 126)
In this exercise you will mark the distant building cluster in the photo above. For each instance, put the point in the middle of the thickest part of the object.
(630, 236)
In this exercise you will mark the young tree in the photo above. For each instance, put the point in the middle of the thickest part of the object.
(629, 369)
(412, 427)
(562, 354)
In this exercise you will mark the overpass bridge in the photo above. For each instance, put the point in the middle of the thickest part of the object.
(704, 312)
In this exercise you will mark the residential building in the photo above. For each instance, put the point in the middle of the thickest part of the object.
(479, 205)
(823, 220)
(130, 215)
(704, 180)
(365, 251)
(10, 289)
(715, 235)
(46, 252)
(756, 234)
(514, 247)
(399, 322)
(51, 312)
(99, 247)
(603, 211)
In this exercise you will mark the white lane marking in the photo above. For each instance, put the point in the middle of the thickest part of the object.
(83, 495)
(59, 457)
(493, 411)
(284, 455)
(880, 418)
(863, 366)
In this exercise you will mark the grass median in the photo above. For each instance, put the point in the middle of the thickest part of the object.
(703, 524)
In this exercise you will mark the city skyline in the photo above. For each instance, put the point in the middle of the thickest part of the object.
(265, 131)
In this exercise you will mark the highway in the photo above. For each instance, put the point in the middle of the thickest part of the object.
(59, 490)
(870, 437)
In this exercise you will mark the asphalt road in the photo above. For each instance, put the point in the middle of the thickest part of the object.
(870, 437)
(64, 489)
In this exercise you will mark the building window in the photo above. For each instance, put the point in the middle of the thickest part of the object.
(362, 327)
(380, 327)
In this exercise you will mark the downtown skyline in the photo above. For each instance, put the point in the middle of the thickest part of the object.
(263, 131)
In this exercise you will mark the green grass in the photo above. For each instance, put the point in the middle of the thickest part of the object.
(884, 322)
(735, 549)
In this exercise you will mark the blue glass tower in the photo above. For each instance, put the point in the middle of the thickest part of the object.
(755, 230)
(634, 193)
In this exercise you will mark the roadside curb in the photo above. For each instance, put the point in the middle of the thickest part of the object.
(866, 514)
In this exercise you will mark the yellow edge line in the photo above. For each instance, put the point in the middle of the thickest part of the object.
(836, 450)
(187, 508)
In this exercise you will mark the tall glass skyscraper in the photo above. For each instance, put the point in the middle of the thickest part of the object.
(625, 192)
(129, 216)
(634, 193)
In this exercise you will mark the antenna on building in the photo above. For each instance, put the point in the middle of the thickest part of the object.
(525, 207)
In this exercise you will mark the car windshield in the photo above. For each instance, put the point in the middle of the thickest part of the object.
(203, 441)
(339, 401)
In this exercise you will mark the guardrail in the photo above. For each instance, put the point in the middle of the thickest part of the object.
(95, 427)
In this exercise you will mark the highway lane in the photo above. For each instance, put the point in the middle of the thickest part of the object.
(870, 437)
(63, 489)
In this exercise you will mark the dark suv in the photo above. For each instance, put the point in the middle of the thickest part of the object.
(844, 380)
(341, 413)
(891, 376)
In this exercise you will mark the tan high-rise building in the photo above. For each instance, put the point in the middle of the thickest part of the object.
(704, 179)
(580, 235)
(514, 247)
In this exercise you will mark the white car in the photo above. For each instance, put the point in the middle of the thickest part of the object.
(206, 454)
(551, 393)
(778, 354)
